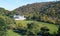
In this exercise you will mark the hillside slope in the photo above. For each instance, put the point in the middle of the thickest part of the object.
(45, 11)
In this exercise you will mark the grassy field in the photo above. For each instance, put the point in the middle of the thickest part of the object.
(11, 33)
(53, 28)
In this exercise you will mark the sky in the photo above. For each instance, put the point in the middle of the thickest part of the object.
(13, 4)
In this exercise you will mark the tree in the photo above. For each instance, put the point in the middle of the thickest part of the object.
(4, 22)
(3, 11)
(33, 28)
(44, 31)
(58, 31)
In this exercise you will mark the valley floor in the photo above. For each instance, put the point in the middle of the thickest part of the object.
(53, 28)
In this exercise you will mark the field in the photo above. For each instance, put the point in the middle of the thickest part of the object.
(11, 33)
(53, 28)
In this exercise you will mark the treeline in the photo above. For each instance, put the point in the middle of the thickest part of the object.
(45, 11)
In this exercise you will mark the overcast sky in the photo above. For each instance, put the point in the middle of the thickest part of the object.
(12, 4)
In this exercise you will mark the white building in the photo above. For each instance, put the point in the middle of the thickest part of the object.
(18, 17)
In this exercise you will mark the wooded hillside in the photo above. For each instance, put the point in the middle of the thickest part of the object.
(45, 11)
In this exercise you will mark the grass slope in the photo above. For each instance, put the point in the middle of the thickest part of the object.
(53, 28)
(11, 33)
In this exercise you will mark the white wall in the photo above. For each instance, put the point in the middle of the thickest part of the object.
(19, 17)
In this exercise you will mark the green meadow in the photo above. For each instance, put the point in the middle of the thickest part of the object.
(11, 33)
(53, 28)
